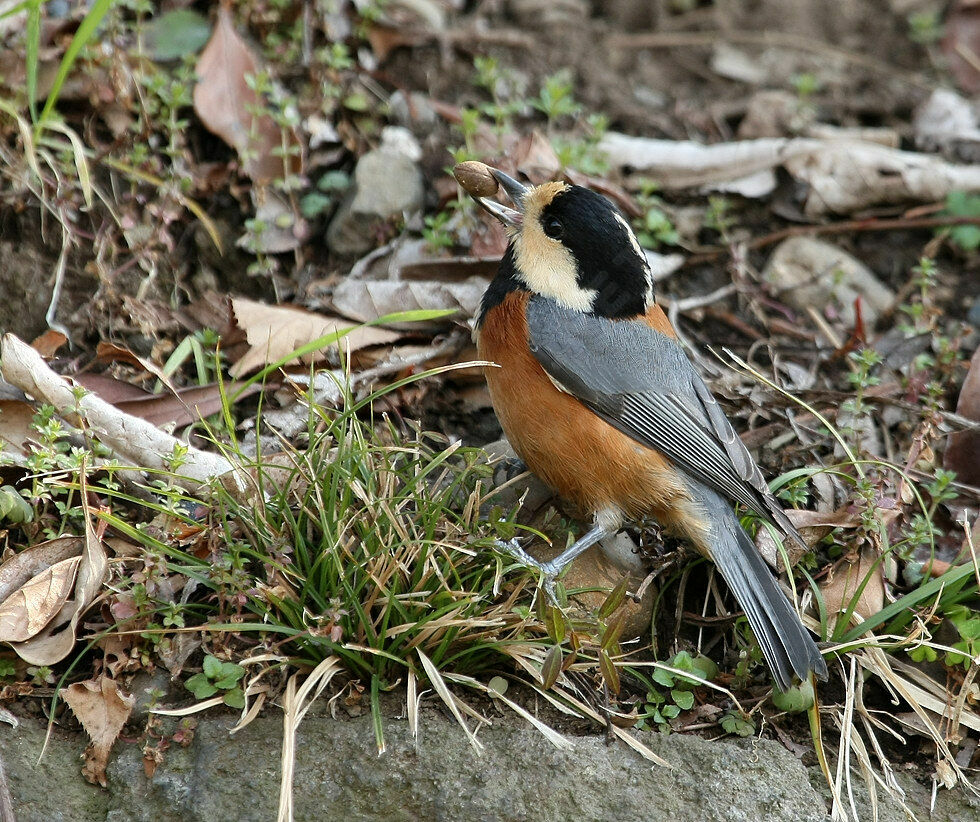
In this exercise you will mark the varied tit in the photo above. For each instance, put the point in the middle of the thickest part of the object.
(597, 396)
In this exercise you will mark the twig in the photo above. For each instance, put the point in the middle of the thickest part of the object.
(889, 224)
(396, 362)
(655, 40)
(6, 800)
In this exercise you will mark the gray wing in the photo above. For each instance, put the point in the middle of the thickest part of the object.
(643, 384)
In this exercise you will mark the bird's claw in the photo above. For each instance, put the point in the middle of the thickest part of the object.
(548, 571)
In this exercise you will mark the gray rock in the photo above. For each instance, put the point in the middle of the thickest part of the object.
(414, 111)
(387, 183)
(519, 776)
(808, 272)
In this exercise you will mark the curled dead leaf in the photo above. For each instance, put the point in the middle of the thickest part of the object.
(54, 642)
(21, 567)
(102, 708)
(27, 611)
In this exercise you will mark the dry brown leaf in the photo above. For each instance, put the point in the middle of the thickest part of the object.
(16, 417)
(536, 159)
(23, 566)
(275, 331)
(48, 343)
(228, 107)
(385, 39)
(843, 582)
(370, 299)
(963, 447)
(813, 527)
(961, 45)
(52, 645)
(188, 406)
(102, 708)
(110, 352)
(27, 611)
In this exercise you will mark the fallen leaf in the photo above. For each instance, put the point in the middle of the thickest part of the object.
(48, 343)
(102, 708)
(52, 645)
(22, 566)
(963, 447)
(385, 39)
(961, 44)
(274, 332)
(16, 417)
(844, 581)
(189, 405)
(27, 611)
(175, 34)
(110, 352)
(813, 527)
(536, 159)
(227, 106)
(367, 300)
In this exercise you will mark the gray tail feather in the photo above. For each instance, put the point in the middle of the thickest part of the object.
(785, 642)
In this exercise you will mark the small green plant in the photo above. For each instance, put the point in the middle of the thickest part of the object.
(580, 150)
(967, 648)
(961, 204)
(805, 84)
(719, 216)
(795, 700)
(7, 669)
(861, 378)
(13, 508)
(499, 83)
(555, 100)
(436, 234)
(329, 189)
(925, 27)
(672, 692)
(219, 678)
(738, 723)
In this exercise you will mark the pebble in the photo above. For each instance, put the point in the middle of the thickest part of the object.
(387, 183)
(808, 272)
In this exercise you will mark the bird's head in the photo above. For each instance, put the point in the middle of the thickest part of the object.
(567, 243)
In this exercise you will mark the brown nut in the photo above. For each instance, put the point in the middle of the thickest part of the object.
(476, 179)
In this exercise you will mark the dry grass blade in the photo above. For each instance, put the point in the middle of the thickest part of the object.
(582, 708)
(81, 161)
(549, 733)
(296, 702)
(439, 684)
(921, 703)
(413, 701)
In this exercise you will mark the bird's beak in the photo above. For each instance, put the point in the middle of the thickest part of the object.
(515, 191)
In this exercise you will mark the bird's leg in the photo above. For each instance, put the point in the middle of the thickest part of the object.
(552, 568)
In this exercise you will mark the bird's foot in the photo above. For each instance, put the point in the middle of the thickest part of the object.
(507, 469)
(548, 571)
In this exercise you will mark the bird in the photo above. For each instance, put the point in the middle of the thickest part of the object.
(596, 394)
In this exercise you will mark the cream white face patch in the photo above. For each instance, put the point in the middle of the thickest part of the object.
(545, 264)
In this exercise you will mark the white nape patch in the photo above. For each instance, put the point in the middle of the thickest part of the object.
(639, 253)
(549, 269)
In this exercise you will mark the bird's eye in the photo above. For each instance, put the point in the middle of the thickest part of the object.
(553, 227)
